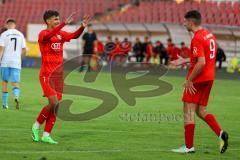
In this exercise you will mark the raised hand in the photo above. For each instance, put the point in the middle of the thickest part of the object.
(70, 18)
(86, 20)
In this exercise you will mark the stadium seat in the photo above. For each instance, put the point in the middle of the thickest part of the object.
(213, 12)
(31, 11)
(224, 13)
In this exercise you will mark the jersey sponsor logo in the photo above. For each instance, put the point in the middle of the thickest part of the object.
(13, 35)
(56, 46)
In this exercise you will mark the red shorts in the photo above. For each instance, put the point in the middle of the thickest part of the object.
(52, 87)
(202, 94)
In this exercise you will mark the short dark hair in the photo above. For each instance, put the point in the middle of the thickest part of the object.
(182, 43)
(11, 20)
(194, 16)
(49, 13)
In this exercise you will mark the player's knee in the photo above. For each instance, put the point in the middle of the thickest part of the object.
(53, 105)
(201, 114)
(188, 118)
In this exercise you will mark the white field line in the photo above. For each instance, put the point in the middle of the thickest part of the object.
(113, 131)
(101, 151)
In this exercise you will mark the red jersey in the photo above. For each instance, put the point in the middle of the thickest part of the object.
(174, 53)
(149, 49)
(117, 50)
(169, 48)
(51, 47)
(203, 45)
(185, 52)
(120, 49)
(99, 47)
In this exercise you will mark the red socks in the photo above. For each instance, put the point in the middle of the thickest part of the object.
(212, 122)
(189, 135)
(50, 123)
(43, 115)
(49, 117)
(189, 129)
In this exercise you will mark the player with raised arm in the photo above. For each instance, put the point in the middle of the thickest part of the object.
(51, 42)
(199, 82)
(12, 46)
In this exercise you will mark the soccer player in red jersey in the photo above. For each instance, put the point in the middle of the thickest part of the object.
(51, 42)
(185, 51)
(199, 82)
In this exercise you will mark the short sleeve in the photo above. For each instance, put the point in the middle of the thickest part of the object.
(197, 48)
(1, 41)
(41, 35)
(23, 42)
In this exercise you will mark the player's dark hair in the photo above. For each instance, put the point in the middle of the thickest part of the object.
(194, 16)
(48, 14)
(182, 43)
(10, 20)
(169, 39)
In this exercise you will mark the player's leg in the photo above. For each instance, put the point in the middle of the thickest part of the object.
(5, 94)
(43, 116)
(189, 123)
(210, 118)
(5, 75)
(50, 120)
(146, 58)
(15, 79)
(84, 66)
(189, 127)
(52, 107)
(45, 111)
(213, 124)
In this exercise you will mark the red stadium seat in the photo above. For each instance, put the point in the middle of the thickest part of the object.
(30, 11)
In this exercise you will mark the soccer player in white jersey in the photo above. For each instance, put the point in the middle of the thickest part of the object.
(12, 46)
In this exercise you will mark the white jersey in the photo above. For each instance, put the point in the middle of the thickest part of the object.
(13, 42)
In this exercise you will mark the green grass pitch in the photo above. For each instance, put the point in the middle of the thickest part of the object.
(113, 136)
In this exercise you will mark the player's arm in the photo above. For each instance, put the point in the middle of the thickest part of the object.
(180, 61)
(78, 32)
(53, 32)
(24, 51)
(83, 44)
(24, 46)
(196, 71)
(198, 52)
(1, 47)
(197, 68)
(1, 52)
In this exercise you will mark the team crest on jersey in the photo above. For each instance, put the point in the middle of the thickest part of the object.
(195, 50)
(59, 37)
